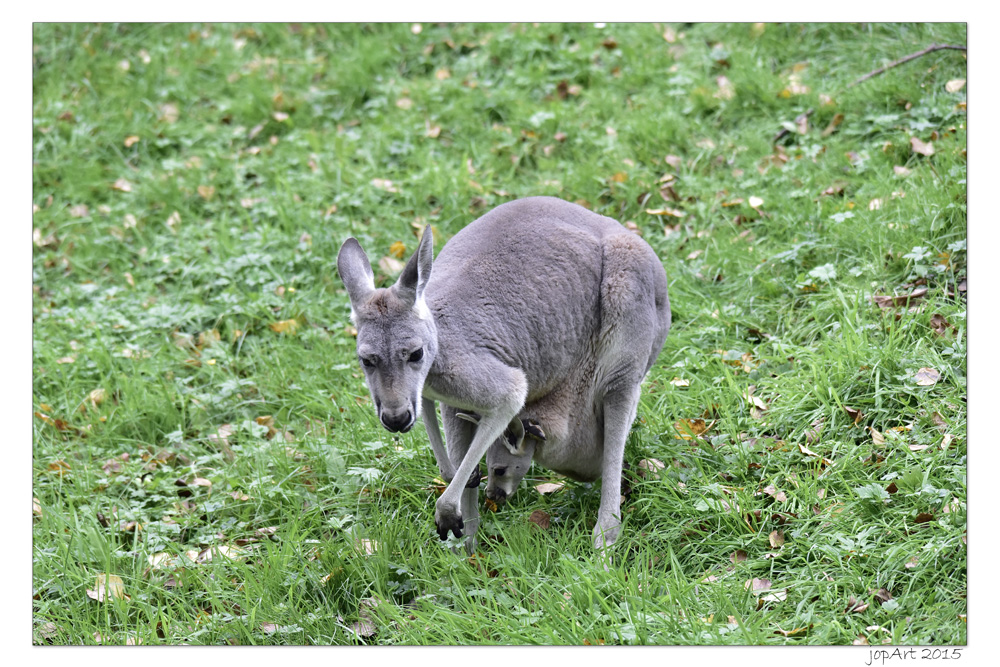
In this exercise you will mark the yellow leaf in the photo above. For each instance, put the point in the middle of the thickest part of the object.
(108, 584)
(131, 141)
(397, 250)
(285, 326)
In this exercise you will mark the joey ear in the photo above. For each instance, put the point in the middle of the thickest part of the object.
(513, 437)
(533, 428)
(355, 270)
(412, 281)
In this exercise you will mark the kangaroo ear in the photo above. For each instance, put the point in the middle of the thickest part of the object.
(513, 437)
(356, 271)
(533, 428)
(411, 283)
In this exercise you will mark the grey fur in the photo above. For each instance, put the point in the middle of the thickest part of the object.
(541, 309)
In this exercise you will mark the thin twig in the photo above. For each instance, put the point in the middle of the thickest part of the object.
(896, 63)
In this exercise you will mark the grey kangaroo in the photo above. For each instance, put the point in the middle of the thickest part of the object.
(539, 305)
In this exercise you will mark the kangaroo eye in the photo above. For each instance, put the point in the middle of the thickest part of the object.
(417, 355)
(367, 363)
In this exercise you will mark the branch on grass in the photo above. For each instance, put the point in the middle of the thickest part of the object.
(896, 63)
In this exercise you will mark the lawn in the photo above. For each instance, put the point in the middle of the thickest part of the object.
(207, 465)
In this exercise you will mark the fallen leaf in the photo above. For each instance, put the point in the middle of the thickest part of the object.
(738, 556)
(901, 171)
(927, 377)
(391, 265)
(875, 204)
(900, 300)
(754, 585)
(672, 212)
(855, 415)
(384, 184)
(923, 517)
(650, 467)
(877, 437)
(834, 123)
(366, 547)
(940, 325)
(169, 113)
(285, 327)
(131, 141)
(549, 487)
(861, 640)
(726, 89)
(541, 519)
(678, 382)
(206, 192)
(855, 607)
(108, 584)
(690, 428)
(912, 563)
(776, 538)
(755, 202)
(921, 147)
(795, 632)
(36, 508)
(954, 85)
(882, 595)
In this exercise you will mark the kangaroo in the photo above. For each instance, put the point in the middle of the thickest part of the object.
(539, 302)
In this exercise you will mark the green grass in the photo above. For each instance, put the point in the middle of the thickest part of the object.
(249, 153)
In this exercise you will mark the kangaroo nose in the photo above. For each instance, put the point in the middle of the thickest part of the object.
(496, 494)
(401, 422)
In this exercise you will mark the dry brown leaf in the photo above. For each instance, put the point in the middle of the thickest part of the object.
(940, 325)
(776, 538)
(738, 556)
(855, 415)
(678, 382)
(923, 517)
(206, 192)
(541, 519)
(855, 607)
(877, 437)
(900, 300)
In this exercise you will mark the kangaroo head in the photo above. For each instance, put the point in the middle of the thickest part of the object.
(397, 339)
(509, 458)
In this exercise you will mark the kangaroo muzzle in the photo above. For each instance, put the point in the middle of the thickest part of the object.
(397, 421)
